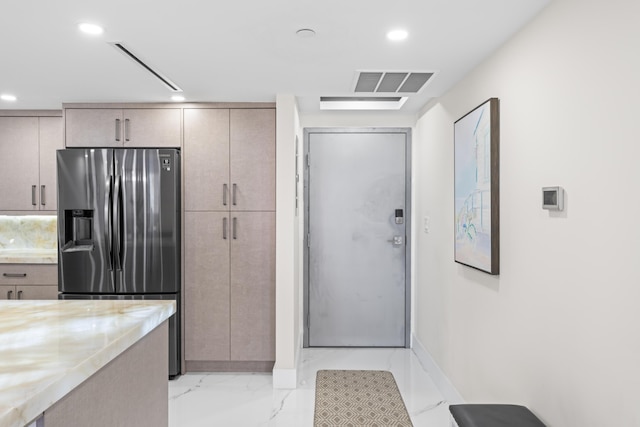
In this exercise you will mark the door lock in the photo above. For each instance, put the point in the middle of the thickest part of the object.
(399, 216)
(397, 241)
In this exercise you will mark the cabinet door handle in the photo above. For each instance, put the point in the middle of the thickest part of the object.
(117, 130)
(14, 274)
(9, 293)
(225, 190)
(235, 228)
(42, 192)
(33, 195)
(235, 190)
(19, 294)
(127, 130)
(224, 228)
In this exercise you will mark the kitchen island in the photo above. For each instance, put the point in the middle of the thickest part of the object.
(84, 362)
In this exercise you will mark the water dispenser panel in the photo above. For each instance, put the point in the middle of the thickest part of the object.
(78, 230)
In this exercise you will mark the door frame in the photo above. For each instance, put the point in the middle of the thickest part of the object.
(407, 215)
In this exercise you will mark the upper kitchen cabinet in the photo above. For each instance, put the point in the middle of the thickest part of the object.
(253, 160)
(28, 146)
(122, 127)
(51, 140)
(229, 159)
(206, 159)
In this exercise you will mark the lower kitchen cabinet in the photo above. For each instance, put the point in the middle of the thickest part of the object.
(253, 261)
(229, 291)
(206, 288)
(7, 292)
(29, 292)
(28, 281)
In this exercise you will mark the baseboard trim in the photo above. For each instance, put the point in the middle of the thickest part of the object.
(437, 375)
(288, 378)
(228, 366)
(285, 378)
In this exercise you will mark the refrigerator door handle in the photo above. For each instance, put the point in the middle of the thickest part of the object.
(117, 225)
(110, 224)
(120, 226)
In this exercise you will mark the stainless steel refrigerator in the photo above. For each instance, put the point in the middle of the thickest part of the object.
(119, 228)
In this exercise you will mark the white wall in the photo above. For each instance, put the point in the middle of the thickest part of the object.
(559, 329)
(287, 245)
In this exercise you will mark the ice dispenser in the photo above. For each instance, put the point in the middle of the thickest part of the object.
(78, 226)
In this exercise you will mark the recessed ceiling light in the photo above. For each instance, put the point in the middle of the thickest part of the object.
(91, 29)
(397, 35)
(305, 33)
(177, 98)
(7, 97)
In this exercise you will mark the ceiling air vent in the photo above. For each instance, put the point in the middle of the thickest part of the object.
(391, 82)
(127, 52)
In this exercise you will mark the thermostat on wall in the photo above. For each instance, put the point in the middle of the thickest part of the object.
(553, 198)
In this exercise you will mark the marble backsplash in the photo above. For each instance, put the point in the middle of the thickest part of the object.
(28, 238)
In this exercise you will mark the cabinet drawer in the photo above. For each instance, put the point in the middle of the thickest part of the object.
(28, 274)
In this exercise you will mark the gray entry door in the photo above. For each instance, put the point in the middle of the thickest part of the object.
(357, 216)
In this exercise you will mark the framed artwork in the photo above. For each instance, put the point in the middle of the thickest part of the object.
(477, 187)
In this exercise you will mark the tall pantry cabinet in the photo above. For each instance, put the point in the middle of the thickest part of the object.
(229, 290)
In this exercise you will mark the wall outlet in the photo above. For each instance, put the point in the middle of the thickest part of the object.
(427, 224)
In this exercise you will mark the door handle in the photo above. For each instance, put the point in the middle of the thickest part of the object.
(19, 294)
(235, 190)
(33, 195)
(9, 293)
(117, 130)
(118, 225)
(225, 190)
(14, 274)
(235, 228)
(397, 241)
(224, 228)
(42, 191)
(127, 130)
(110, 223)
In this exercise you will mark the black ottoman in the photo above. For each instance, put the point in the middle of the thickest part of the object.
(481, 415)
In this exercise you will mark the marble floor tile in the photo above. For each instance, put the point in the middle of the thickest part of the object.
(247, 400)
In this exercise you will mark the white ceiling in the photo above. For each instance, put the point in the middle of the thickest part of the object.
(242, 50)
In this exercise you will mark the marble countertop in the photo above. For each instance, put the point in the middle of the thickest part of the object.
(28, 256)
(47, 348)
